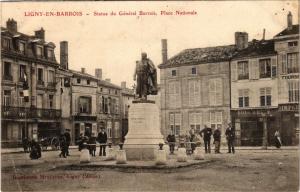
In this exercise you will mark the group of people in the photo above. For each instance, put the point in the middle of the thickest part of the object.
(192, 139)
(89, 142)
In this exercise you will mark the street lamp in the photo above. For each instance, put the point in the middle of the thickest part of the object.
(264, 118)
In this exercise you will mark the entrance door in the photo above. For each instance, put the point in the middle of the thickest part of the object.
(88, 129)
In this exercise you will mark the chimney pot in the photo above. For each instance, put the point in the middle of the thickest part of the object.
(98, 73)
(241, 40)
(82, 70)
(289, 21)
(64, 62)
(12, 26)
(40, 34)
(164, 50)
(108, 80)
(123, 84)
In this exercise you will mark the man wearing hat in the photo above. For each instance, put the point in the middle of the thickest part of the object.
(68, 141)
(102, 139)
(206, 134)
(230, 136)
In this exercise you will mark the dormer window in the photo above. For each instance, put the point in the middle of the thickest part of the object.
(39, 51)
(22, 47)
(49, 53)
(5, 43)
(78, 81)
(88, 82)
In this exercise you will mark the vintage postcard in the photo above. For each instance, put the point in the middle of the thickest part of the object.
(150, 96)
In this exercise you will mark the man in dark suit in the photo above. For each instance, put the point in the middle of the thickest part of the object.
(217, 139)
(230, 136)
(102, 139)
(206, 134)
(68, 141)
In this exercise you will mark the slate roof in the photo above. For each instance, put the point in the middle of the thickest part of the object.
(257, 48)
(293, 31)
(201, 55)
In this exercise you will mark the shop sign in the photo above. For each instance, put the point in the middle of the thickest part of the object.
(294, 76)
(289, 107)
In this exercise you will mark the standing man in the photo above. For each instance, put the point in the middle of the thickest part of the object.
(68, 141)
(171, 141)
(102, 139)
(217, 139)
(230, 136)
(206, 137)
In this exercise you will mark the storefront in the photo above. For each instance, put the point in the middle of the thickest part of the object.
(249, 125)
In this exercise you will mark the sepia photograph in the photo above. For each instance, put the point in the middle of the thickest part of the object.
(150, 96)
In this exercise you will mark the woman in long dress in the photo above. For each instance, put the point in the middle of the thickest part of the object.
(277, 139)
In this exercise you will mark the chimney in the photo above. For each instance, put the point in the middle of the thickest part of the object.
(289, 21)
(108, 80)
(98, 73)
(241, 40)
(12, 26)
(164, 50)
(64, 55)
(264, 34)
(82, 70)
(123, 84)
(40, 34)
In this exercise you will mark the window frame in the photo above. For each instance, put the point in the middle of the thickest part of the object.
(245, 70)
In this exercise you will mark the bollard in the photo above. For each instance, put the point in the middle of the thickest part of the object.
(181, 155)
(110, 154)
(121, 155)
(161, 156)
(199, 155)
(85, 154)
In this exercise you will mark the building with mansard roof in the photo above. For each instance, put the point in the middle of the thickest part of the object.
(30, 111)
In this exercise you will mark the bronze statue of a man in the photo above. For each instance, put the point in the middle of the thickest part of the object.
(146, 77)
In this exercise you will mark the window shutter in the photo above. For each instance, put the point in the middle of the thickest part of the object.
(268, 91)
(219, 92)
(212, 96)
(191, 92)
(76, 105)
(82, 128)
(197, 93)
(233, 71)
(283, 64)
(262, 91)
(274, 67)
(255, 71)
(94, 129)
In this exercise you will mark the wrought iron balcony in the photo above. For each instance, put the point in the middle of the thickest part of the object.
(7, 77)
(9, 112)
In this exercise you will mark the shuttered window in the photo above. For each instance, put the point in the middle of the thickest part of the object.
(293, 86)
(264, 68)
(215, 119)
(194, 93)
(243, 98)
(266, 96)
(173, 93)
(215, 92)
(195, 121)
(292, 63)
(175, 123)
(243, 70)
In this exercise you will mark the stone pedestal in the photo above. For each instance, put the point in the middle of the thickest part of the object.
(181, 155)
(110, 154)
(121, 157)
(143, 131)
(85, 156)
(161, 157)
(199, 154)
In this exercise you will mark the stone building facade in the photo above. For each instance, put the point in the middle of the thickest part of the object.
(29, 68)
(194, 89)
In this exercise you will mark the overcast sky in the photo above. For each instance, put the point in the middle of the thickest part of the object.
(114, 43)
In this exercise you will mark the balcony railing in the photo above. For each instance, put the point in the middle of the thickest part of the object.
(7, 77)
(51, 84)
(40, 82)
(9, 112)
